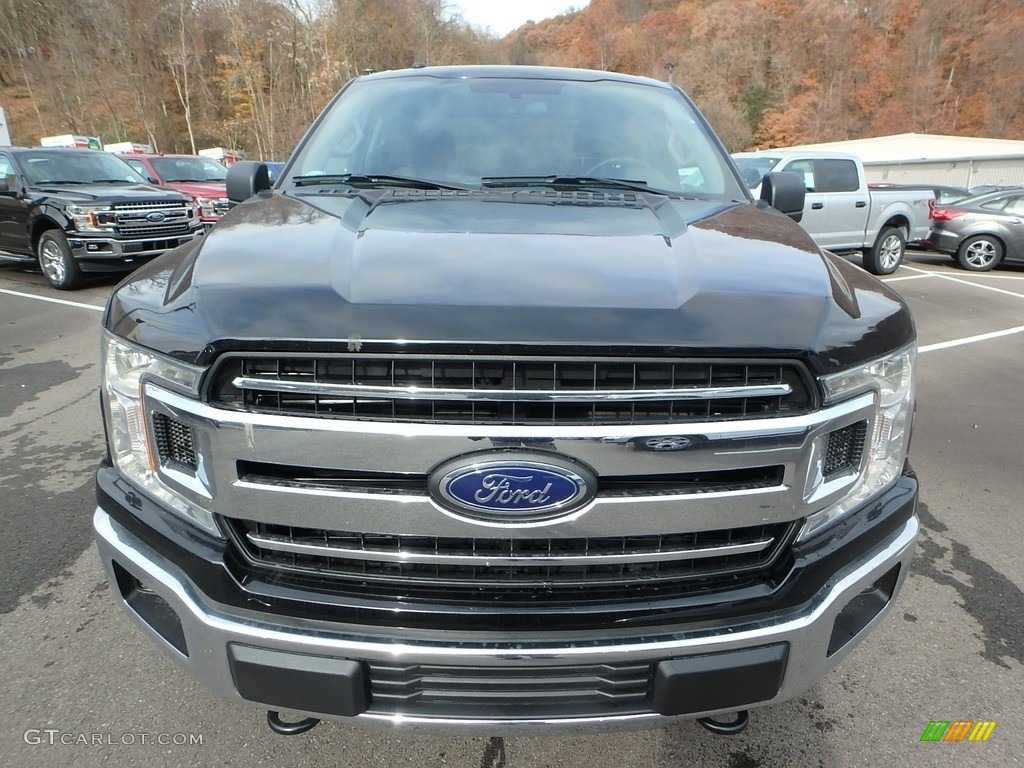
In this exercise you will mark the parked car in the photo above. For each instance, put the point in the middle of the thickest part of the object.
(984, 189)
(202, 178)
(840, 211)
(943, 193)
(78, 211)
(274, 170)
(980, 231)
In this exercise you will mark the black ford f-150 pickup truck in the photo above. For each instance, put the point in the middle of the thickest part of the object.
(507, 407)
(78, 211)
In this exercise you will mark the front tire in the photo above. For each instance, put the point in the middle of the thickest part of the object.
(59, 267)
(886, 255)
(979, 253)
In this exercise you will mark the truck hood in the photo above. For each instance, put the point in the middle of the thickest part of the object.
(200, 189)
(501, 270)
(114, 193)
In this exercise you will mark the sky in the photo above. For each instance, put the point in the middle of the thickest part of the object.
(502, 16)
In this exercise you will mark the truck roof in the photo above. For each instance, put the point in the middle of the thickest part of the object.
(514, 71)
(790, 154)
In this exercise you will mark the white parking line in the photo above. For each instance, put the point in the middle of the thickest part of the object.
(970, 339)
(966, 282)
(908, 277)
(65, 302)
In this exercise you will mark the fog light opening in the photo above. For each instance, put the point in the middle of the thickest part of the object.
(862, 610)
(151, 608)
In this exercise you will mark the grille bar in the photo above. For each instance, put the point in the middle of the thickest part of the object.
(161, 205)
(518, 390)
(283, 544)
(401, 562)
(148, 230)
(473, 691)
(356, 392)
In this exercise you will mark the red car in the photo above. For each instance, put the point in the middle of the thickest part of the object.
(200, 177)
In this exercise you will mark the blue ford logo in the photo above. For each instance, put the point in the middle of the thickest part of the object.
(516, 488)
(155, 216)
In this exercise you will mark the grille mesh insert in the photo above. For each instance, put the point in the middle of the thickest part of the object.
(174, 441)
(844, 449)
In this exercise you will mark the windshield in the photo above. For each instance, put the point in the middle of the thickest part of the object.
(753, 169)
(177, 169)
(515, 131)
(76, 167)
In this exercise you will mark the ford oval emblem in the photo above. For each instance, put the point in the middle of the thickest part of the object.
(155, 216)
(513, 488)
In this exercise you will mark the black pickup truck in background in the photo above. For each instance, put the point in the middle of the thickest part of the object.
(78, 211)
(507, 407)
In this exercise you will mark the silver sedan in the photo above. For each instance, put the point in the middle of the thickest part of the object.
(980, 232)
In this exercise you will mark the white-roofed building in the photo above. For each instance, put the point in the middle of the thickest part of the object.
(914, 158)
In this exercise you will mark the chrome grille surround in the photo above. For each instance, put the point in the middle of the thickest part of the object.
(307, 487)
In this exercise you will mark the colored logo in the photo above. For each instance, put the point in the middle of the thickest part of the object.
(516, 489)
(155, 216)
(958, 730)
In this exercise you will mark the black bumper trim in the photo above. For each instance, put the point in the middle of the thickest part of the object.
(299, 681)
(718, 681)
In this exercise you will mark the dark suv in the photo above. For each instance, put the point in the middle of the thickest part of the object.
(77, 211)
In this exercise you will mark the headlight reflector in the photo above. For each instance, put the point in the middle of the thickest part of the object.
(91, 218)
(126, 369)
(891, 379)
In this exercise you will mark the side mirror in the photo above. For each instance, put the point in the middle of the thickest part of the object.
(153, 180)
(785, 192)
(247, 178)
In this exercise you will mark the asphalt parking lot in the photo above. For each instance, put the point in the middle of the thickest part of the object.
(85, 687)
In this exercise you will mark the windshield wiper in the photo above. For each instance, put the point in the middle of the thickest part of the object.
(112, 181)
(373, 180)
(60, 181)
(573, 182)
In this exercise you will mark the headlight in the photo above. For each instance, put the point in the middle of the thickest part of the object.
(126, 369)
(91, 218)
(891, 379)
(208, 207)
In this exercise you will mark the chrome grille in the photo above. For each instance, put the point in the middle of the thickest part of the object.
(152, 205)
(132, 222)
(401, 561)
(446, 389)
(150, 230)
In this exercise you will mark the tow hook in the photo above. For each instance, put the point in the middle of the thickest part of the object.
(281, 728)
(727, 729)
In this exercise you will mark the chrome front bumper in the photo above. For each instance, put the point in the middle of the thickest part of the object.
(209, 628)
(99, 249)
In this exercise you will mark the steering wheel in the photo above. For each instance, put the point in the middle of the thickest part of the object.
(649, 172)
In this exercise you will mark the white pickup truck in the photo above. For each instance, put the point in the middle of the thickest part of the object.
(840, 212)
